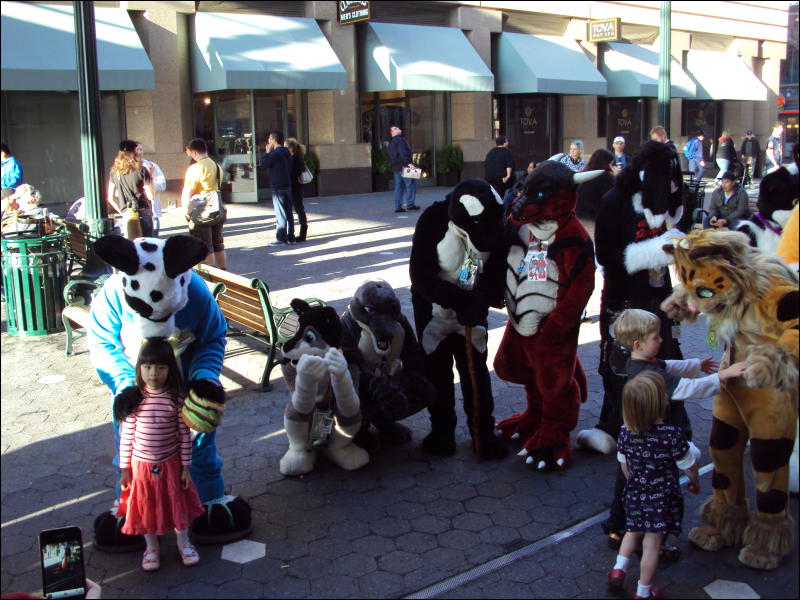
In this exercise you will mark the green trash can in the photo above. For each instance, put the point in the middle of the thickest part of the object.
(34, 276)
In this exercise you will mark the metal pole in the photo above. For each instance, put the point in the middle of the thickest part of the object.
(89, 109)
(664, 64)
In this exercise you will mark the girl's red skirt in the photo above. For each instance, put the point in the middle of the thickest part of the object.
(156, 502)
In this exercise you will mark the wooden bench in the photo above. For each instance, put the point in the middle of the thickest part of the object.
(248, 310)
(77, 245)
(76, 309)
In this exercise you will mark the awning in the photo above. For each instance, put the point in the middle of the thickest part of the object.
(418, 57)
(632, 72)
(723, 76)
(545, 64)
(39, 49)
(262, 52)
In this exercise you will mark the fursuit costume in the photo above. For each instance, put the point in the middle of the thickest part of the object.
(751, 300)
(630, 230)
(155, 293)
(457, 267)
(549, 280)
(378, 340)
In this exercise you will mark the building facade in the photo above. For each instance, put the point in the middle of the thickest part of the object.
(449, 73)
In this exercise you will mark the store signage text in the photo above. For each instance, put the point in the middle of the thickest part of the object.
(605, 30)
(353, 12)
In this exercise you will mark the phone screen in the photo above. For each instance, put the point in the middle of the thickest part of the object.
(61, 552)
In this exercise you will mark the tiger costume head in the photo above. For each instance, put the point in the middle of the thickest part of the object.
(723, 276)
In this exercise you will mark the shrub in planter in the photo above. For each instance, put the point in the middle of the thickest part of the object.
(381, 169)
(449, 162)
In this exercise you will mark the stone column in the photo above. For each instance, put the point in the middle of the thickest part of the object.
(161, 118)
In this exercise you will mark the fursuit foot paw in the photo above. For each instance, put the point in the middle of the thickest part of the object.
(549, 458)
(108, 535)
(707, 538)
(757, 557)
(440, 444)
(519, 426)
(226, 520)
(348, 457)
(597, 440)
(297, 462)
(395, 434)
(491, 447)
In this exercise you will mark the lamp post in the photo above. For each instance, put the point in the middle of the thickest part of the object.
(664, 64)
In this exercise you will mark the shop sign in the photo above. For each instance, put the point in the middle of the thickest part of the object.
(527, 121)
(604, 30)
(353, 12)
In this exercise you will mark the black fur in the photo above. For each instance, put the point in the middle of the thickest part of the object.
(322, 318)
(661, 168)
(119, 253)
(208, 390)
(126, 402)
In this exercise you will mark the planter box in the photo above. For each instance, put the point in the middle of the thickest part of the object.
(447, 179)
(380, 182)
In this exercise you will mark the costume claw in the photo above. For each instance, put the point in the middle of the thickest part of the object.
(541, 465)
(560, 462)
(515, 436)
(529, 460)
(522, 452)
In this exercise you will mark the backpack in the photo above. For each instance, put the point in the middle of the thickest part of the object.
(689, 149)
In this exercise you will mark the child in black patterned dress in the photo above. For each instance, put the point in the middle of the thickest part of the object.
(650, 453)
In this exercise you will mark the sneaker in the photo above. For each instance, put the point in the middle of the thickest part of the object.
(189, 555)
(399, 210)
(151, 560)
(615, 580)
(654, 593)
(415, 207)
(278, 243)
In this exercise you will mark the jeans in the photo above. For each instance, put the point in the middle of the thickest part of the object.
(694, 167)
(409, 184)
(284, 220)
(723, 164)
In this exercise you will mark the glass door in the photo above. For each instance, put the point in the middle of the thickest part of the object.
(234, 146)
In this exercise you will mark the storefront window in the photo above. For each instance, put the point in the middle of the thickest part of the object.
(529, 122)
(274, 110)
(626, 117)
(705, 115)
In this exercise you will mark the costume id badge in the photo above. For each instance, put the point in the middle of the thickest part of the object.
(711, 337)
(468, 273)
(536, 261)
(321, 425)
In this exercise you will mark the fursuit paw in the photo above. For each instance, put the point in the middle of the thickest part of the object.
(108, 535)
(395, 434)
(770, 366)
(297, 462)
(204, 405)
(597, 440)
(392, 402)
(757, 557)
(677, 306)
(226, 520)
(550, 458)
(349, 457)
(707, 538)
(516, 427)
(440, 444)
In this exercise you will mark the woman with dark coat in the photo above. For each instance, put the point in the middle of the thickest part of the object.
(591, 192)
(298, 166)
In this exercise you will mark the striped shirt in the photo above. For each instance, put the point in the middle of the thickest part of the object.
(153, 433)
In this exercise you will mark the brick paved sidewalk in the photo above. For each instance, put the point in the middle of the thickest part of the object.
(405, 522)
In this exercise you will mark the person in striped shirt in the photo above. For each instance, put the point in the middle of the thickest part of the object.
(155, 453)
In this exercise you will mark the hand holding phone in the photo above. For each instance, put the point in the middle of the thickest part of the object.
(61, 554)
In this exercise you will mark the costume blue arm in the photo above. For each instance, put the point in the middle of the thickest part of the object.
(203, 317)
(105, 345)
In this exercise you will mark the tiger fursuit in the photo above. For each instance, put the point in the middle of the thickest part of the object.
(751, 301)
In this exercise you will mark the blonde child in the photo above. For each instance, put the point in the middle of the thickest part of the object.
(155, 452)
(650, 453)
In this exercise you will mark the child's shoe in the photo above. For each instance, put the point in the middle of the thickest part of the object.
(615, 580)
(151, 560)
(654, 593)
(189, 555)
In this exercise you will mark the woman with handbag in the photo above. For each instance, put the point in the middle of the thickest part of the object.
(299, 171)
(204, 175)
(130, 192)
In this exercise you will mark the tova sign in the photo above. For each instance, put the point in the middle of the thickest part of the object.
(353, 12)
(604, 30)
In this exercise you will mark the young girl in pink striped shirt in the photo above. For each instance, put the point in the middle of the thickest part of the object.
(155, 452)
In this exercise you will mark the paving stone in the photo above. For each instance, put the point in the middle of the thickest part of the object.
(265, 570)
(483, 504)
(373, 545)
(458, 492)
(244, 551)
(430, 524)
(381, 584)
(354, 565)
(471, 521)
(445, 508)
(334, 586)
(390, 527)
(416, 542)
(405, 510)
(459, 540)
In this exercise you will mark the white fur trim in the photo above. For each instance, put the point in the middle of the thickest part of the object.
(637, 203)
(497, 197)
(543, 230)
(585, 176)
(557, 157)
(649, 254)
(792, 168)
(597, 440)
(472, 204)
(654, 221)
(671, 221)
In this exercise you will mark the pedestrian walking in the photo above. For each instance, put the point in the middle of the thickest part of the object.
(278, 160)
(399, 158)
(621, 157)
(155, 453)
(130, 193)
(204, 175)
(10, 169)
(157, 179)
(574, 159)
(650, 452)
(498, 166)
(693, 151)
(774, 154)
(298, 166)
(726, 155)
(750, 153)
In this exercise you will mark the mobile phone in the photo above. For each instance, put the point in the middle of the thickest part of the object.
(61, 553)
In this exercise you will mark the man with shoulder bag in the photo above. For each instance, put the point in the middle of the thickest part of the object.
(399, 159)
(202, 199)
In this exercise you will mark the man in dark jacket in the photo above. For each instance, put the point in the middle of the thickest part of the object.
(750, 153)
(729, 204)
(278, 160)
(400, 157)
(498, 166)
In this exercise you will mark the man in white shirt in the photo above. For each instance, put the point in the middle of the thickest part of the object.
(156, 177)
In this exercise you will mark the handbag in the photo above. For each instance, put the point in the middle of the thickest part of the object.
(207, 208)
(133, 226)
(306, 176)
(412, 173)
